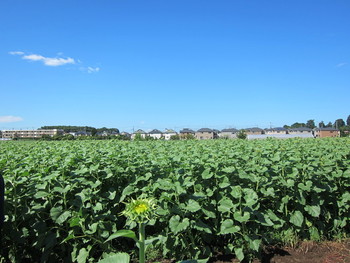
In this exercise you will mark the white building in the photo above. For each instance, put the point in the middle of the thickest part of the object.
(156, 134)
(10, 134)
(168, 133)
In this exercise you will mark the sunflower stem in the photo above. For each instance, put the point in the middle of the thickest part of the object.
(142, 234)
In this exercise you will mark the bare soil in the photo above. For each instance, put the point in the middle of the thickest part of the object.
(306, 252)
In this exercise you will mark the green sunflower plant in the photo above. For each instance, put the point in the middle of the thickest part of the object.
(140, 211)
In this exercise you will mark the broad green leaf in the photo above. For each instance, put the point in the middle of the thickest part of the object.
(239, 253)
(228, 227)
(83, 255)
(123, 233)
(297, 218)
(127, 191)
(225, 205)
(116, 258)
(207, 174)
(238, 216)
(176, 226)
(305, 187)
(255, 244)
(55, 212)
(41, 194)
(63, 217)
(208, 213)
(92, 228)
(200, 225)
(193, 206)
(98, 207)
(313, 210)
(236, 192)
(250, 197)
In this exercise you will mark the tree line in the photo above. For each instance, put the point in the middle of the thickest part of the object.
(343, 126)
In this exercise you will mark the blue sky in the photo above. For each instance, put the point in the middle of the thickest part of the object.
(173, 64)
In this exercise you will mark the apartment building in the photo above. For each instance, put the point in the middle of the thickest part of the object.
(10, 134)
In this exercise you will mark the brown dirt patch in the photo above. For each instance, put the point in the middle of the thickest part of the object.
(306, 252)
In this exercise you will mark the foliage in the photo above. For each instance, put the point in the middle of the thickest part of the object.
(310, 124)
(297, 125)
(175, 137)
(339, 123)
(242, 134)
(64, 198)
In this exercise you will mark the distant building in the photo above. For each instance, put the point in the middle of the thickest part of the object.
(255, 130)
(184, 133)
(205, 134)
(278, 136)
(168, 133)
(229, 133)
(156, 134)
(326, 132)
(301, 130)
(277, 130)
(142, 133)
(10, 134)
(126, 134)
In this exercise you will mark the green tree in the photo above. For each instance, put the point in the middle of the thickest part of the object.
(298, 125)
(242, 135)
(339, 123)
(329, 125)
(348, 121)
(321, 125)
(175, 137)
(310, 124)
(138, 137)
(190, 137)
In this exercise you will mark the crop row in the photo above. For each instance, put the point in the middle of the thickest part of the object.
(63, 199)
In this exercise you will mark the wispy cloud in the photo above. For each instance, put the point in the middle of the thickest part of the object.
(90, 70)
(16, 53)
(59, 60)
(341, 64)
(93, 70)
(49, 61)
(10, 119)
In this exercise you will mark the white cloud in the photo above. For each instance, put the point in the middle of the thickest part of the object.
(10, 119)
(50, 61)
(33, 57)
(16, 53)
(54, 61)
(92, 70)
(341, 64)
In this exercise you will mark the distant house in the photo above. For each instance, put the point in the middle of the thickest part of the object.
(277, 130)
(326, 132)
(156, 134)
(217, 132)
(102, 133)
(142, 133)
(228, 133)
(184, 133)
(252, 131)
(205, 134)
(168, 133)
(83, 133)
(301, 130)
(126, 134)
